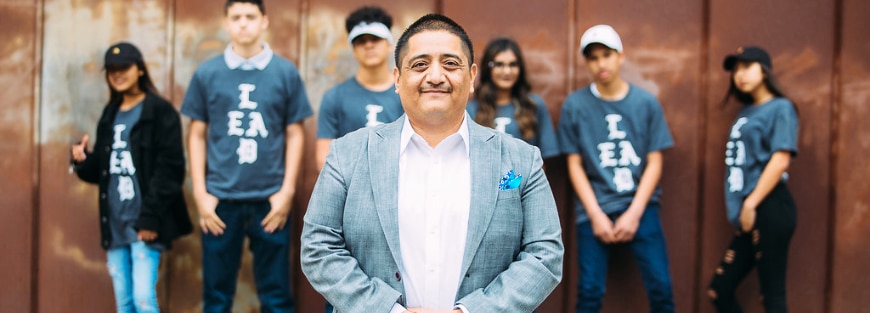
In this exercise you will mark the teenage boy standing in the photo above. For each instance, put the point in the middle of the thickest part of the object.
(612, 133)
(369, 97)
(245, 141)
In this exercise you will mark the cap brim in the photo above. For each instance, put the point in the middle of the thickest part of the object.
(729, 62)
(366, 33)
(118, 63)
(375, 29)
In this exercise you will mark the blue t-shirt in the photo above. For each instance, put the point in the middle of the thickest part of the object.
(247, 112)
(125, 197)
(350, 106)
(505, 122)
(613, 138)
(758, 132)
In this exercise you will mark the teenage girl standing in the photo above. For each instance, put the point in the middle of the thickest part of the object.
(761, 144)
(503, 100)
(138, 162)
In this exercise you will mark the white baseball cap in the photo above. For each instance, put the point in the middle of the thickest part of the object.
(376, 29)
(603, 34)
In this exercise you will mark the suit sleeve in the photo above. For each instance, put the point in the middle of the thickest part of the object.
(537, 269)
(326, 260)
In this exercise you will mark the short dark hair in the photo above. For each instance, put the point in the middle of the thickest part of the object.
(433, 22)
(258, 3)
(368, 14)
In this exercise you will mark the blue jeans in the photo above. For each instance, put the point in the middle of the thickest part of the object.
(221, 259)
(134, 276)
(649, 252)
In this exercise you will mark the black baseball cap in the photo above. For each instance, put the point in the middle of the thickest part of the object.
(122, 54)
(748, 54)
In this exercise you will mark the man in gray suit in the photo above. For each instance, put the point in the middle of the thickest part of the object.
(432, 213)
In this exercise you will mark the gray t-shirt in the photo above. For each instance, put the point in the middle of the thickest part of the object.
(758, 132)
(350, 106)
(613, 138)
(247, 112)
(505, 122)
(125, 197)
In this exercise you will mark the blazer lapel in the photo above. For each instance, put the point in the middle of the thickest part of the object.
(485, 163)
(383, 158)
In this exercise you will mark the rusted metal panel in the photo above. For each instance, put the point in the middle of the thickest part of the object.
(663, 49)
(802, 61)
(73, 93)
(850, 286)
(18, 70)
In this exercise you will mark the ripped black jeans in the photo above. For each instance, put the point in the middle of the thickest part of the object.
(765, 247)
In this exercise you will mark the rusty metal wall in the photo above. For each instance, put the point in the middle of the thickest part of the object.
(53, 91)
(800, 38)
(18, 74)
(850, 284)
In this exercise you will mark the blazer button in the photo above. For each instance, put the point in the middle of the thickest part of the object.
(104, 219)
(105, 173)
(108, 149)
(398, 276)
(102, 196)
(106, 243)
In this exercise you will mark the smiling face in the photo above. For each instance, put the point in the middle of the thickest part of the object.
(748, 76)
(371, 51)
(245, 23)
(124, 78)
(505, 70)
(434, 78)
(603, 63)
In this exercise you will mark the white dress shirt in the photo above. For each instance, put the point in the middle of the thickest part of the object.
(434, 196)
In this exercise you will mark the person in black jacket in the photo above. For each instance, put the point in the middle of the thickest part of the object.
(138, 163)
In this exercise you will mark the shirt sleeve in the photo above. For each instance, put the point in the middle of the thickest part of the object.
(568, 132)
(471, 108)
(328, 120)
(397, 308)
(546, 135)
(785, 129)
(194, 105)
(462, 308)
(660, 134)
(298, 107)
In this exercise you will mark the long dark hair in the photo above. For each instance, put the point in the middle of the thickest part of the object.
(144, 82)
(770, 82)
(526, 109)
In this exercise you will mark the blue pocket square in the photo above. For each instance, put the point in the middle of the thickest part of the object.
(510, 181)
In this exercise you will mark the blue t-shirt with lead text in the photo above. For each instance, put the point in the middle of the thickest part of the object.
(350, 106)
(124, 194)
(505, 122)
(247, 112)
(758, 132)
(613, 138)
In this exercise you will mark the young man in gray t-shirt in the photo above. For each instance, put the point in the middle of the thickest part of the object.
(369, 97)
(245, 142)
(612, 134)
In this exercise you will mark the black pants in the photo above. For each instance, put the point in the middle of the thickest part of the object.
(765, 247)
